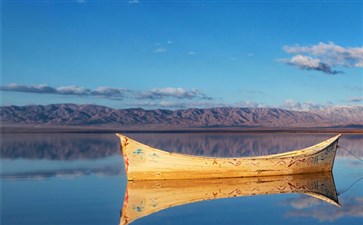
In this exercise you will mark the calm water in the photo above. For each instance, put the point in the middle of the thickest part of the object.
(79, 179)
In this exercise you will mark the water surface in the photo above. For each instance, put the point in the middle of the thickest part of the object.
(79, 179)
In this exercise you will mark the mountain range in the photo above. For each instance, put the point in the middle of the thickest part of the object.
(66, 115)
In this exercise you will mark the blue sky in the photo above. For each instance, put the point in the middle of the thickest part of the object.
(179, 54)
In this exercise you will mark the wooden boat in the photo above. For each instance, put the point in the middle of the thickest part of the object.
(143, 162)
(143, 198)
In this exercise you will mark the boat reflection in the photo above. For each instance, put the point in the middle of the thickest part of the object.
(143, 198)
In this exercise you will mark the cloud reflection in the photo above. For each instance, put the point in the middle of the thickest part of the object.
(306, 206)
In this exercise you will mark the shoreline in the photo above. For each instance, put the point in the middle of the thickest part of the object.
(37, 129)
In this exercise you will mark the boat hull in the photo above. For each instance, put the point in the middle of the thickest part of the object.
(143, 162)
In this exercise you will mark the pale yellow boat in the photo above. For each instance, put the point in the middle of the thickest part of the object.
(143, 198)
(143, 162)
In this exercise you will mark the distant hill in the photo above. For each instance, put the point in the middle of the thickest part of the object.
(100, 116)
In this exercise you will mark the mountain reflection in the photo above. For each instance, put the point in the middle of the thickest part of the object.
(234, 144)
(63, 173)
(58, 146)
(93, 146)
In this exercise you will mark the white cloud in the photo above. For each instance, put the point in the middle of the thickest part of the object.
(201, 102)
(40, 88)
(161, 104)
(324, 57)
(305, 61)
(160, 47)
(166, 97)
(355, 99)
(249, 104)
(159, 93)
(111, 93)
(191, 53)
(72, 90)
(161, 50)
(297, 106)
(134, 1)
(179, 105)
